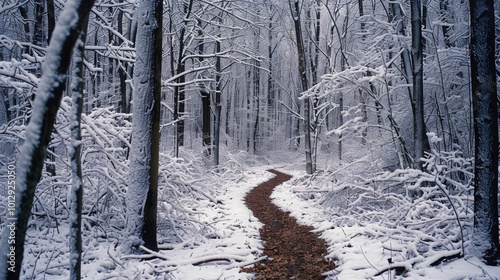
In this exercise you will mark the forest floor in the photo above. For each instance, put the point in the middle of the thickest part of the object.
(293, 251)
(207, 231)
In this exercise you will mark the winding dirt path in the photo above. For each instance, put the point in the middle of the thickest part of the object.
(294, 251)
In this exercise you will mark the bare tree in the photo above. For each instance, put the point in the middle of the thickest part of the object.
(48, 99)
(144, 157)
(217, 104)
(179, 90)
(76, 192)
(485, 242)
(143, 182)
(419, 135)
(295, 11)
(205, 100)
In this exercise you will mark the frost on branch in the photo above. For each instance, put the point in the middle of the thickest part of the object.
(416, 231)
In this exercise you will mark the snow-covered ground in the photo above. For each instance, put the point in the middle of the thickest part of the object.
(233, 242)
(362, 252)
(205, 230)
(216, 235)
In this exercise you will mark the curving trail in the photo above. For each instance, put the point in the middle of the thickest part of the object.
(294, 251)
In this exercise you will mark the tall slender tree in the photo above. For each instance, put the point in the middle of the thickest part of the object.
(218, 88)
(418, 81)
(205, 101)
(256, 95)
(295, 12)
(179, 90)
(485, 243)
(49, 96)
(142, 194)
(76, 192)
(123, 106)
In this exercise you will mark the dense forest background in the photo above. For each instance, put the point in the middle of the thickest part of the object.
(376, 96)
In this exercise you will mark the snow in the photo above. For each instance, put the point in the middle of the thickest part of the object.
(217, 234)
(237, 234)
(223, 239)
(50, 80)
(362, 205)
(143, 150)
(362, 252)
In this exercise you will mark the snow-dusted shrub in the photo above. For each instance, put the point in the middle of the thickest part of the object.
(184, 190)
(187, 189)
(419, 216)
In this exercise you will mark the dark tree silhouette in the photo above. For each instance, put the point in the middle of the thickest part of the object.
(485, 243)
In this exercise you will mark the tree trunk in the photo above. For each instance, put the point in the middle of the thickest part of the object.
(257, 109)
(38, 24)
(97, 76)
(256, 94)
(304, 83)
(317, 33)
(343, 64)
(418, 82)
(50, 166)
(48, 99)
(423, 20)
(144, 157)
(179, 90)
(270, 83)
(205, 104)
(24, 14)
(407, 70)
(131, 33)
(362, 95)
(485, 244)
(51, 18)
(248, 116)
(217, 105)
(316, 101)
(76, 191)
(111, 93)
(122, 71)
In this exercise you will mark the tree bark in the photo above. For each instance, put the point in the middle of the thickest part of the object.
(485, 243)
(50, 165)
(418, 81)
(122, 71)
(179, 90)
(343, 64)
(304, 83)
(205, 107)
(217, 105)
(362, 95)
(38, 24)
(47, 101)
(270, 83)
(396, 15)
(144, 157)
(51, 18)
(76, 191)
(256, 94)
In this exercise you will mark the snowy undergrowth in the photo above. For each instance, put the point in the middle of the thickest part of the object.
(204, 229)
(404, 224)
(229, 237)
